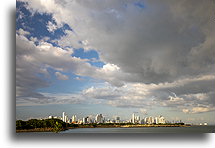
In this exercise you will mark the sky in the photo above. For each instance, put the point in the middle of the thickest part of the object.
(116, 57)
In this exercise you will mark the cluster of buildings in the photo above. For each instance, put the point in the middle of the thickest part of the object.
(148, 120)
(99, 118)
(85, 120)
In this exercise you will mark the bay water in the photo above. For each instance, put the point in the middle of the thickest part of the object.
(192, 129)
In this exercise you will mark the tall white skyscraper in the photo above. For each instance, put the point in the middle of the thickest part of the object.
(63, 116)
(133, 118)
(157, 120)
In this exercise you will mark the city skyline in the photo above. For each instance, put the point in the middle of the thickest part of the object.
(99, 118)
(135, 118)
(115, 58)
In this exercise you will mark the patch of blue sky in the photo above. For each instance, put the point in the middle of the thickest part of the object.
(85, 54)
(36, 24)
(92, 55)
(74, 84)
(139, 4)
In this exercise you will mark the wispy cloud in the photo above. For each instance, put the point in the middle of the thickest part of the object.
(61, 76)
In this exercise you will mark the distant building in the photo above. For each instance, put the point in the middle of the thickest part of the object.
(50, 117)
(137, 119)
(117, 119)
(65, 117)
(80, 121)
(146, 120)
(161, 120)
(133, 118)
(85, 120)
(156, 120)
(89, 120)
(99, 118)
(142, 121)
(150, 120)
(74, 119)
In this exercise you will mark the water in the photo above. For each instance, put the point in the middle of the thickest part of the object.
(193, 129)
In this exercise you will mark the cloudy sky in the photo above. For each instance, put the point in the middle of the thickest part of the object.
(116, 57)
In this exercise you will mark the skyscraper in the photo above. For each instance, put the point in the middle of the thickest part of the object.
(137, 119)
(133, 118)
(150, 120)
(63, 116)
(117, 119)
(161, 119)
(74, 119)
(99, 118)
(66, 119)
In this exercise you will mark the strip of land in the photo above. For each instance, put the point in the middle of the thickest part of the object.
(56, 125)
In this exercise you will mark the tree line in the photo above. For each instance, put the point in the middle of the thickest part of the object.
(56, 124)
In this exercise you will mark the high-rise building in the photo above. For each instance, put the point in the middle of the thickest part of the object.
(63, 116)
(99, 118)
(161, 119)
(150, 120)
(86, 120)
(66, 119)
(146, 120)
(74, 119)
(133, 118)
(156, 120)
(117, 119)
(89, 120)
(137, 119)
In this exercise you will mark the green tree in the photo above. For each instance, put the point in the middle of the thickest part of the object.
(57, 127)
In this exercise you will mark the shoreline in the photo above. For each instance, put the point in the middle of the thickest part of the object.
(98, 126)
(146, 125)
(37, 130)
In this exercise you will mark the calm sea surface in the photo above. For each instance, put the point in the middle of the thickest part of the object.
(193, 129)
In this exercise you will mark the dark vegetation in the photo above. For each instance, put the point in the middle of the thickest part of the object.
(54, 125)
